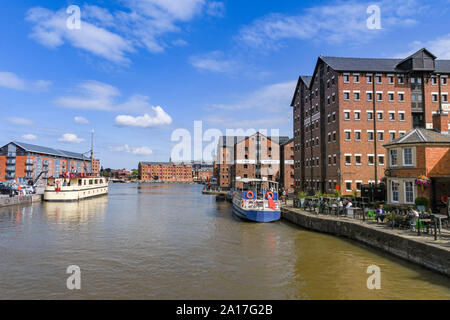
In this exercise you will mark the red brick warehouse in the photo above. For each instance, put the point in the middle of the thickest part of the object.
(350, 107)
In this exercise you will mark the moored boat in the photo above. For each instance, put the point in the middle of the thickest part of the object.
(75, 187)
(257, 200)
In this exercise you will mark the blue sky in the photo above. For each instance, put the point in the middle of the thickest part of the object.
(138, 70)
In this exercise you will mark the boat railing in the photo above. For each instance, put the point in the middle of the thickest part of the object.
(258, 204)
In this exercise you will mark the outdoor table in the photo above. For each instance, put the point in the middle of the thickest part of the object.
(440, 217)
(427, 222)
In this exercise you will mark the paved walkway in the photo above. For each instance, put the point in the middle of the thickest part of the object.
(443, 239)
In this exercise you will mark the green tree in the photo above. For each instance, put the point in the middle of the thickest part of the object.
(134, 174)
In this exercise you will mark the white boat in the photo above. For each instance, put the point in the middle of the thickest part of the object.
(74, 188)
(257, 200)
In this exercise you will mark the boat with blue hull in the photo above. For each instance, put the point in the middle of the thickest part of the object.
(256, 200)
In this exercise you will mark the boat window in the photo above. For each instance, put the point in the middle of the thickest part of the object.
(90, 181)
(84, 182)
(79, 182)
(95, 181)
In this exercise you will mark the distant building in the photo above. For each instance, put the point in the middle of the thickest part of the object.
(287, 165)
(350, 107)
(420, 153)
(165, 171)
(255, 156)
(121, 174)
(21, 162)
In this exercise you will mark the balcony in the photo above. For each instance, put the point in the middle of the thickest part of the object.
(10, 169)
(29, 168)
(29, 162)
(10, 176)
(11, 154)
(11, 161)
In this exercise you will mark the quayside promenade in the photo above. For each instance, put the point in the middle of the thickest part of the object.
(425, 249)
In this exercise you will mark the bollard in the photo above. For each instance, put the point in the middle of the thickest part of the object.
(435, 229)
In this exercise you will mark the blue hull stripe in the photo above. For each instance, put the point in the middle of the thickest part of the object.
(257, 216)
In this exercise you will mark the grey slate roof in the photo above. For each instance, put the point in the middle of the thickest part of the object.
(50, 151)
(230, 141)
(421, 135)
(376, 65)
(306, 79)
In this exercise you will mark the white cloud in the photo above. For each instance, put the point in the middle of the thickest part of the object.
(29, 136)
(95, 95)
(215, 9)
(215, 61)
(440, 47)
(70, 138)
(81, 120)
(139, 151)
(269, 98)
(50, 30)
(344, 21)
(145, 121)
(20, 121)
(10, 80)
(113, 35)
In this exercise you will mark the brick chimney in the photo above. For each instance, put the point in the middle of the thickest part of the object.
(440, 122)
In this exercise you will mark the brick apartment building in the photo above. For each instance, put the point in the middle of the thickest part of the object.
(287, 165)
(255, 156)
(350, 107)
(21, 162)
(165, 172)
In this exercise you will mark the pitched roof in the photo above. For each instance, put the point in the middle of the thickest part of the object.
(230, 141)
(421, 135)
(306, 80)
(50, 151)
(377, 65)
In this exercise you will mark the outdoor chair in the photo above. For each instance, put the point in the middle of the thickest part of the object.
(372, 215)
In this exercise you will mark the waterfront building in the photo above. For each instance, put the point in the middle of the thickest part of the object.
(350, 107)
(165, 172)
(121, 174)
(21, 162)
(422, 154)
(255, 156)
(287, 165)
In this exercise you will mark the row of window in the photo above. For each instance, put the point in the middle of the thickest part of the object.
(380, 115)
(407, 157)
(391, 79)
(369, 96)
(408, 190)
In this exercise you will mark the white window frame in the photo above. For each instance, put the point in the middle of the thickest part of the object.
(412, 157)
(404, 191)
(392, 191)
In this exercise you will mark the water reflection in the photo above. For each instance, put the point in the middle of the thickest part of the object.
(79, 212)
(172, 242)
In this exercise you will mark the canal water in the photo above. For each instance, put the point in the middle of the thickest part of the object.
(172, 242)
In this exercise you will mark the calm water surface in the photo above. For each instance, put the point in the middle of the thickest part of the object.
(171, 242)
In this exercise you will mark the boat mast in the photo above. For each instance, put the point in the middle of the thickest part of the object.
(92, 150)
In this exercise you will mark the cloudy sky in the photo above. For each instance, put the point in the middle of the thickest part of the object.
(135, 71)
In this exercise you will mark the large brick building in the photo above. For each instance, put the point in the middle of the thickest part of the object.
(350, 107)
(255, 156)
(287, 165)
(421, 152)
(21, 162)
(165, 172)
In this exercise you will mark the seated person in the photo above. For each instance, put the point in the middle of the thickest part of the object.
(381, 213)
